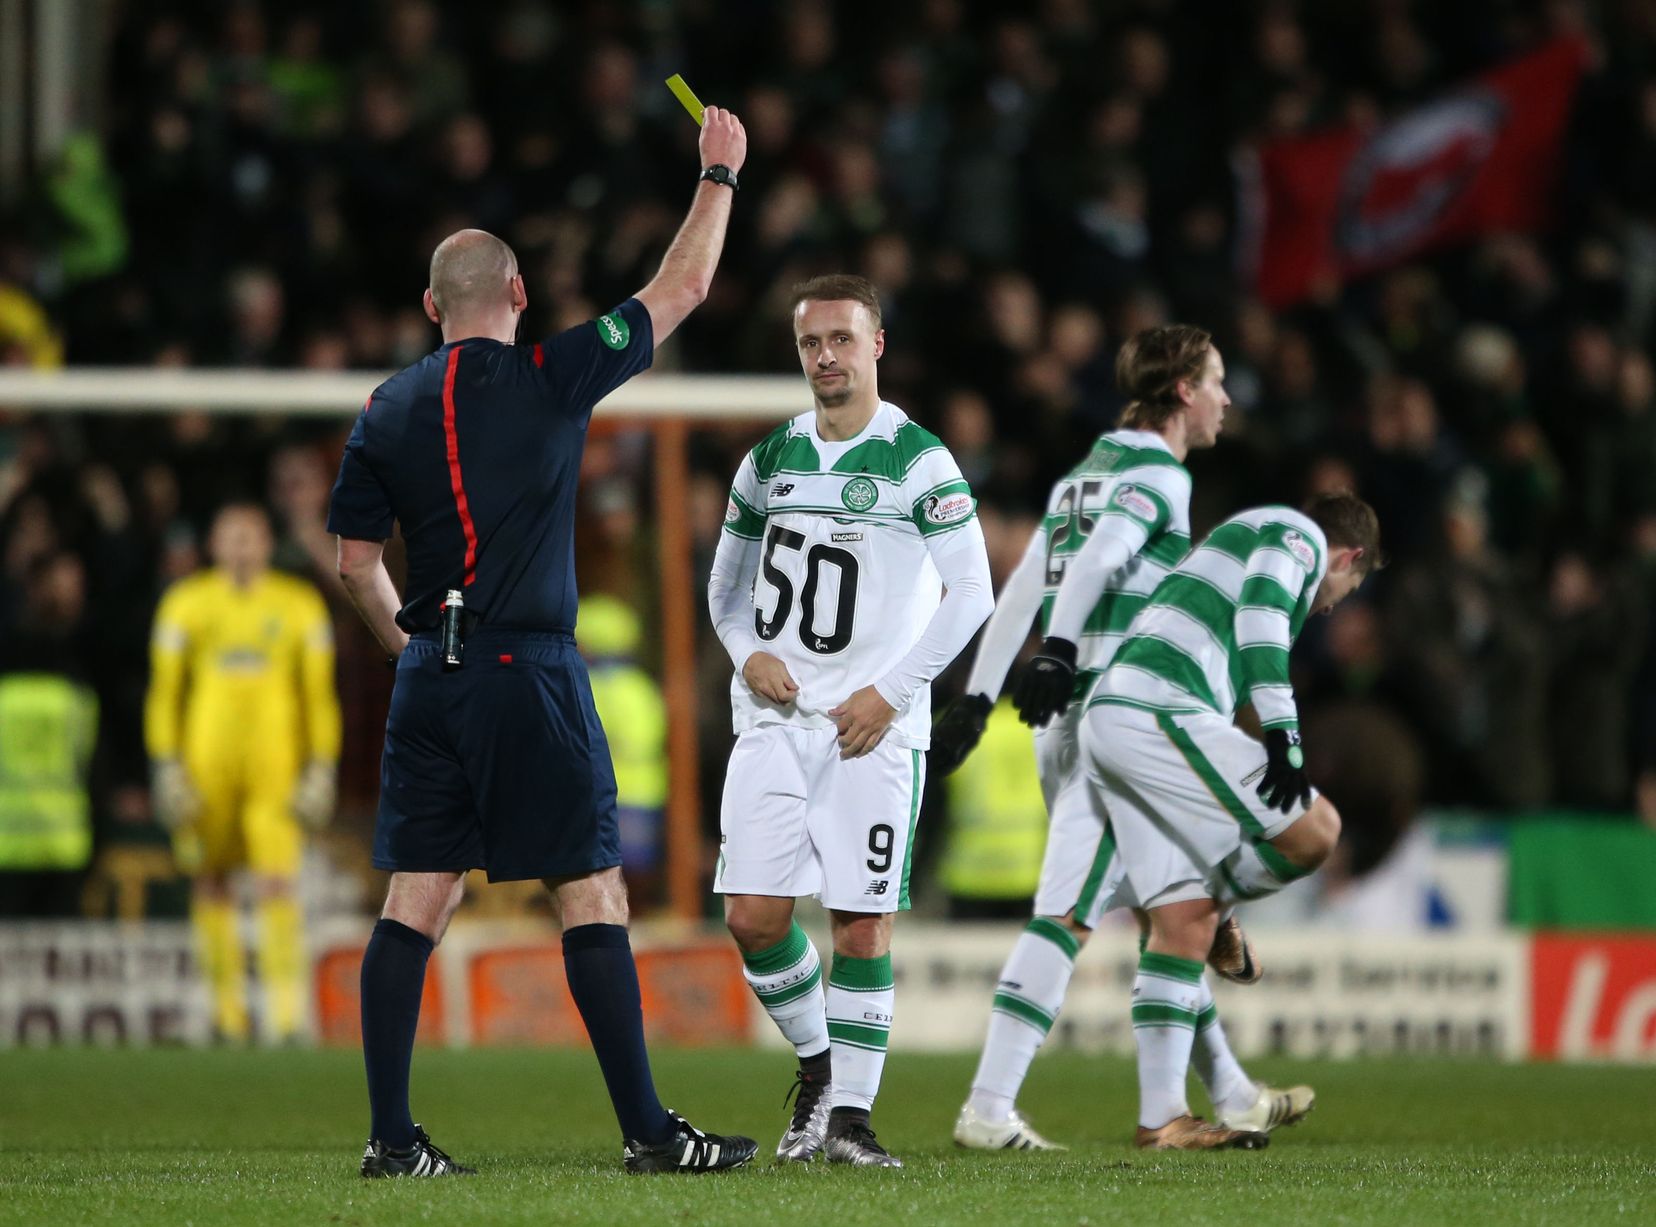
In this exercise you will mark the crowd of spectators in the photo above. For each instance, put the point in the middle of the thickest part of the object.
(1027, 183)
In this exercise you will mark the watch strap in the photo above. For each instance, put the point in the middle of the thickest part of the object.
(722, 175)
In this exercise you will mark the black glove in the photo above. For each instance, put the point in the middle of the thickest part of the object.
(1285, 780)
(1048, 684)
(957, 731)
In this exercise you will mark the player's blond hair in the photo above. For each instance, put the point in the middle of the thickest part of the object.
(837, 287)
(1150, 366)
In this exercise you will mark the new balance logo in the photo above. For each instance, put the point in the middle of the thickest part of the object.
(877, 886)
(782, 489)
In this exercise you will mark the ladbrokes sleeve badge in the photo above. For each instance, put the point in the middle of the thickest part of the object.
(1304, 553)
(948, 508)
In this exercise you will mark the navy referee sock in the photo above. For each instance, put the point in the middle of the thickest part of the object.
(393, 977)
(603, 979)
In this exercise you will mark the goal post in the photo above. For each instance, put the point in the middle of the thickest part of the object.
(669, 406)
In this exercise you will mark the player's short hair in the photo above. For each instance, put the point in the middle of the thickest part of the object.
(837, 287)
(243, 504)
(1347, 520)
(1149, 367)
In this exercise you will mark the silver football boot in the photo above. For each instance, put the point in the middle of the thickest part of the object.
(853, 1142)
(808, 1128)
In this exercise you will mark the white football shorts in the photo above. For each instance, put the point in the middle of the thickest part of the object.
(1079, 869)
(799, 820)
(1181, 793)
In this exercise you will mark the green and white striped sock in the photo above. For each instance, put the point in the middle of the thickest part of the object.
(1167, 997)
(1027, 999)
(1255, 870)
(787, 979)
(1228, 1086)
(861, 997)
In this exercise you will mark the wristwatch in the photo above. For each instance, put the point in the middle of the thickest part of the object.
(722, 175)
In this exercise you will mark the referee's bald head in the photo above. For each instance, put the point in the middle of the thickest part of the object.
(471, 273)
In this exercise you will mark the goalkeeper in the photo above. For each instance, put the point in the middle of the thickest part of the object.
(242, 727)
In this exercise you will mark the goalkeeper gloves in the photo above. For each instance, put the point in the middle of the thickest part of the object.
(172, 796)
(313, 797)
(1285, 781)
(957, 731)
(1048, 684)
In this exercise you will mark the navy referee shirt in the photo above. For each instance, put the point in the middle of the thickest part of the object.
(475, 452)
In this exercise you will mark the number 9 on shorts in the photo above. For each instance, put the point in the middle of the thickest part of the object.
(798, 820)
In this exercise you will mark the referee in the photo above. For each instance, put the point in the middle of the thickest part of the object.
(494, 756)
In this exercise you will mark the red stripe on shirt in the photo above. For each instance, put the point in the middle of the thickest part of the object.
(453, 439)
(540, 355)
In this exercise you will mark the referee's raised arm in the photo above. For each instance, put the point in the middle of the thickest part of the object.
(686, 272)
(494, 754)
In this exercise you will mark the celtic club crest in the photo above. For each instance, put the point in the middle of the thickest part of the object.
(859, 494)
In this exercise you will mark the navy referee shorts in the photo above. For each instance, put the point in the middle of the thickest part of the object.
(499, 765)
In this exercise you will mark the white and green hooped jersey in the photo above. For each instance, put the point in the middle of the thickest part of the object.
(1128, 473)
(1217, 631)
(846, 584)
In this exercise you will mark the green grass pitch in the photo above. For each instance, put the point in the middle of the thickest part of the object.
(142, 1137)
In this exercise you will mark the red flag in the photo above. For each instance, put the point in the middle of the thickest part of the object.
(1348, 201)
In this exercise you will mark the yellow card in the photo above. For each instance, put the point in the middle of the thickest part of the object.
(683, 93)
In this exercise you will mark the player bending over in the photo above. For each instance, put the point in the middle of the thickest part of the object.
(843, 526)
(1178, 780)
(1115, 526)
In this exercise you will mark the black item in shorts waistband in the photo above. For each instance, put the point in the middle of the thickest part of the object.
(492, 637)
